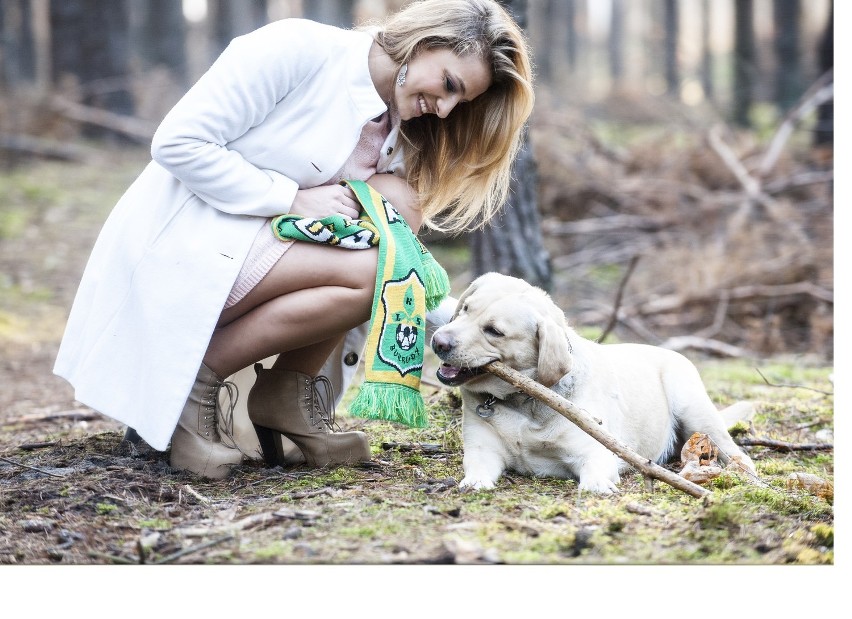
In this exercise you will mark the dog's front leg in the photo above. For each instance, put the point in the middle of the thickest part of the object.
(598, 471)
(484, 456)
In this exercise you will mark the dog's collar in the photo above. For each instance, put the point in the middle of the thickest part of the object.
(486, 409)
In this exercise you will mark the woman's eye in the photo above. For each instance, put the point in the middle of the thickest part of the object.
(490, 330)
(450, 85)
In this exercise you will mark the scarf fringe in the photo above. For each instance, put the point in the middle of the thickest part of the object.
(435, 280)
(396, 403)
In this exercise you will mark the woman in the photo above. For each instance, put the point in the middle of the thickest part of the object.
(186, 274)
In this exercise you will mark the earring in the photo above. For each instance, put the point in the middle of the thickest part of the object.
(400, 79)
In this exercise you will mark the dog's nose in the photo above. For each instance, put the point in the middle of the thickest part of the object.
(442, 343)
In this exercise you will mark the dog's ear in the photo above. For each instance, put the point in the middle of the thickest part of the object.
(554, 350)
(468, 291)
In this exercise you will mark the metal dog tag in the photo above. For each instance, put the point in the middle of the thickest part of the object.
(486, 410)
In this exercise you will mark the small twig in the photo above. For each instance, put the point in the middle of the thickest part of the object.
(32, 468)
(820, 91)
(783, 445)
(40, 445)
(307, 494)
(586, 422)
(191, 549)
(792, 386)
(75, 414)
(112, 558)
(618, 296)
(194, 493)
(424, 447)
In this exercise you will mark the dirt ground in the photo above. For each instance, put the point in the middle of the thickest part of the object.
(73, 493)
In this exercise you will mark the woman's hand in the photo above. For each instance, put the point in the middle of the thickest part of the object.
(325, 200)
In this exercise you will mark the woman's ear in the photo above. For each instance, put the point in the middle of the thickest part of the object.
(554, 351)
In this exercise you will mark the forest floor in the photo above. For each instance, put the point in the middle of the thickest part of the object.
(73, 493)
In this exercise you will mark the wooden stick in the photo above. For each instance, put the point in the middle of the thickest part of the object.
(585, 422)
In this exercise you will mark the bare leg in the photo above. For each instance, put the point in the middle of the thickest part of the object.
(310, 298)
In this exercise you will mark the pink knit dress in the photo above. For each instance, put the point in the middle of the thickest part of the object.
(267, 249)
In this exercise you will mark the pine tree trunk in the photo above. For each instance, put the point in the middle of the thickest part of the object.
(512, 242)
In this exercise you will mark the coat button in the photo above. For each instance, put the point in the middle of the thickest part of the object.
(390, 150)
(350, 359)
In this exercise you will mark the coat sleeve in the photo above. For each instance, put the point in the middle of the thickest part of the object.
(238, 92)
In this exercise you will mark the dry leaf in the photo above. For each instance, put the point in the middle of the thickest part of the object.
(812, 484)
(701, 450)
(700, 474)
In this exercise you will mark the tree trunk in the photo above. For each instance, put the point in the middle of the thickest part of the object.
(229, 19)
(707, 52)
(672, 32)
(824, 134)
(744, 61)
(160, 37)
(788, 86)
(616, 43)
(512, 242)
(17, 48)
(91, 44)
(334, 12)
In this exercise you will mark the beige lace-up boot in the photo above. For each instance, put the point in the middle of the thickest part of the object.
(289, 403)
(198, 444)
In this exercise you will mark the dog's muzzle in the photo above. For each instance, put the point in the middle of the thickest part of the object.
(444, 345)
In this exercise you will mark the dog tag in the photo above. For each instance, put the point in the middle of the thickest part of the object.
(485, 409)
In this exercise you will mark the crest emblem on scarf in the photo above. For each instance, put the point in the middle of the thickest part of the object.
(401, 339)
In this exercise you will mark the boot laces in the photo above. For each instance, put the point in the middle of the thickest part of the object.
(322, 403)
(220, 422)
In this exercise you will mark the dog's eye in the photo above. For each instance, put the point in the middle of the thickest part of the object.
(491, 330)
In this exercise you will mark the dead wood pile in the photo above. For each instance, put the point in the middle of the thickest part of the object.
(691, 235)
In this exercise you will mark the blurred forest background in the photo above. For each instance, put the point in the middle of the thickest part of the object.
(677, 184)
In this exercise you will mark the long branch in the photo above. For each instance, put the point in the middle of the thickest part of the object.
(585, 422)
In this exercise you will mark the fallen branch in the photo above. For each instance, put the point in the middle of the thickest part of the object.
(791, 386)
(783, 445)
(682, 342)
(585, 422)
(32, 468)
(74, 414)
(135, 128)
(614, 318)
(190, 550)
(40, 147)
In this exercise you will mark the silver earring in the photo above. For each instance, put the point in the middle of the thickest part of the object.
(400, 79)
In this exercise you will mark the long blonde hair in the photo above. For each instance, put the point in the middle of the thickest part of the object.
(461, 165)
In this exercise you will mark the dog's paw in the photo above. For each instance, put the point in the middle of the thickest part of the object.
(472, 483)
(598, 485)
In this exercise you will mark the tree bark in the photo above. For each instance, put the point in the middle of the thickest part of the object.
(824, 134)
(334, 12)
(744, 62)
(91, 43)
(788, 84)
(670, 41)
(160, 36)
(229, 19)
(513, 244)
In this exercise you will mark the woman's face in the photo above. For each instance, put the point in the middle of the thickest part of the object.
(437, 80)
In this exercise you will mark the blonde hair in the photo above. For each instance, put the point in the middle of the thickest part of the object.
(461, 165)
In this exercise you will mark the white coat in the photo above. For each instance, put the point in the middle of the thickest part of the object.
(281, 109)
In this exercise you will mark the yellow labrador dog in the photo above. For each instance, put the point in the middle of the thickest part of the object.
(649, 398)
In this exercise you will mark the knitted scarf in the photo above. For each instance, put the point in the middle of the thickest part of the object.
(409, 282)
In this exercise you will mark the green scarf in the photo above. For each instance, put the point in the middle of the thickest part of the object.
(409, 282)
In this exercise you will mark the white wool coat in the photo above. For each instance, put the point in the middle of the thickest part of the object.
(281, 109)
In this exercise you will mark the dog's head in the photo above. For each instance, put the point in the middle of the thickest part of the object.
(502, 318)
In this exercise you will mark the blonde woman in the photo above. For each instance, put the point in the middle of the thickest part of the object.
(187, 285)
